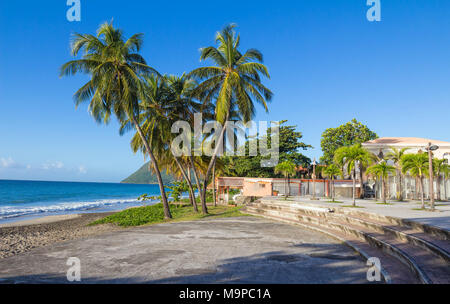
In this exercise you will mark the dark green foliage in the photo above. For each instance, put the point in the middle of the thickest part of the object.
(177, 189)
(155, 214)
(345, 135)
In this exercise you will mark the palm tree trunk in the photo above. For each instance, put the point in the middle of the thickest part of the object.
(354, 186)
(202, 195)
(383, 184)
(438, 187)
(285, 183)
(214, 184)
(332, 189)
(167, 214)
(421, 193)
(219, 143)
(191, 190)
(361, 195)
(289, 186)
(400, 185)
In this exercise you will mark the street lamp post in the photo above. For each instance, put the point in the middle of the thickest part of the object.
(431, 148)
(314, 179)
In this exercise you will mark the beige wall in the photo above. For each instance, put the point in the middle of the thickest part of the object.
(257, 188)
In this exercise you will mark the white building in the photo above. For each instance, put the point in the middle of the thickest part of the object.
(414, 144)
(382, 146)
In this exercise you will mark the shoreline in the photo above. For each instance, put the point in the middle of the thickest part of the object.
(22, 236)
(44, 219)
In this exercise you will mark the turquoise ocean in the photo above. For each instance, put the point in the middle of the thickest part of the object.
(28, 199)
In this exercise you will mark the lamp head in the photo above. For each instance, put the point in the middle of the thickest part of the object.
(431, 147)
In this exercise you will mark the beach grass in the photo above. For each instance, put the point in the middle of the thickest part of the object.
(154, 214)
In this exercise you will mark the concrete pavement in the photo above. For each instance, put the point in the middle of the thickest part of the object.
(227, 250)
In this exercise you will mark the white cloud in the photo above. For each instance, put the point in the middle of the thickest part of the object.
(53, 165)
(82, 170)
(9, 163)
(6, 162)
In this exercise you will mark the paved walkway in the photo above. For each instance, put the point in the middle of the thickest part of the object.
(404, 210)
(228, 250)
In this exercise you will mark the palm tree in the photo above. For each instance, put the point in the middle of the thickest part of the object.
(382, 170)
(396, 156)
(167, 101)
(234, 80)
(331, 172)
(439, 167)
(287, 169)
(417, 166)
(351, 157)
(115, 68)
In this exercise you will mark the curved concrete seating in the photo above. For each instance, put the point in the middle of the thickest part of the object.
(422, 250)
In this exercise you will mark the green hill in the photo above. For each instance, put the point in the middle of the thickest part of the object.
(145, 176)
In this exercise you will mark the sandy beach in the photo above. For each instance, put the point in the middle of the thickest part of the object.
(26, 235)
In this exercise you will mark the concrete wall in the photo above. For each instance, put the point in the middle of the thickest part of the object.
(257, 188)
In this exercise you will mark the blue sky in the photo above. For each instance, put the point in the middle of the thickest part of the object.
(328, 64)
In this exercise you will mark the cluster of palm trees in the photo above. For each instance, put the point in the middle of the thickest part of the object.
(122, 84)
(348, 159)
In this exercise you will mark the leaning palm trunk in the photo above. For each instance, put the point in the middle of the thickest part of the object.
(219, 144)
(202, 197)
(191, 189)
(166, 207)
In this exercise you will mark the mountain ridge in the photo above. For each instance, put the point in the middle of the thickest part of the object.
(144, 176)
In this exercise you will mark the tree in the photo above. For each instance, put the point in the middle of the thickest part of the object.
(287, 168)
(345, 135)
(417, 166)
(396, 155)
(382, 170)
(331, 171)
(351, 157)
(233, 80)
(115, 86)
(439, 168)
(178, 188)
(290, 145)
(166, 102)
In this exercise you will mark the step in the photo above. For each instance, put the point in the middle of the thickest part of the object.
(391, 270)
(435, 232)
(354, 232)
(434, 245)
(428, 267)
